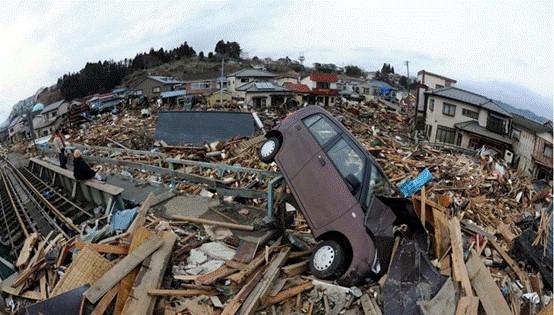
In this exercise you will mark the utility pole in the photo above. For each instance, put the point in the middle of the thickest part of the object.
(221, 83)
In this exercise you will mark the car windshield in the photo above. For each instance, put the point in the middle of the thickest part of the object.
(347, 160)
(322, 130)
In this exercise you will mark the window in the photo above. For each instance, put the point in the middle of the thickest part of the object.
(445, 135)
(366, 90)
(547, 150)
(431, 104)
(199, 85)
(448, 109)
(429, 130)
(322, 85)
(377, 184)
(322, 130)
(347, 160)
(516, 134)
(496, 124)
(438, 86)
(470, 113)
(156, 89)
(244, 80)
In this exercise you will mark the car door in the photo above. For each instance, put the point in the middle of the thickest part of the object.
(320, 184)
(298, 147)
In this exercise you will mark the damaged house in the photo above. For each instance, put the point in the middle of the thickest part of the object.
(466, 119)
(323, 86)
(262, 94)
(532, 143)
(245, 76)
(152, 86)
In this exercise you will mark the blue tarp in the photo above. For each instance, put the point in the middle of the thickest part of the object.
(411, 186)
(122, 219)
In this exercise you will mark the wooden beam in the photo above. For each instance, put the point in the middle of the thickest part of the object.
(121, 269)
(232, 226)
(26, 250)
(140, 235)
(176, 292)
(423, 206)
(286, 294)
(235, 303)
(211, 277)
(103, 248)
(150, 276)
(458, 266)
(467, 305)
(488, 292)
(512, 264)
(105, 301)
(295, 269)
(140, 218)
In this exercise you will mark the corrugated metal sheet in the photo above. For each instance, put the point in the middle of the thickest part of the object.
(197, 128)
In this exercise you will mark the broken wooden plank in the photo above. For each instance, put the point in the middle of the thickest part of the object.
(122, 268)
(235, 303)
(467, 305)
(232, 226)
(150, 276)
(512, 264)
(287, 294)
(442, 236)
(295, 269)
(177, 292)
(245, 252)
(215, 275)
(87, 267)
(458, 266)
(105, 302)
(261, 290)
(104, 248)
(26, 250)
(253, 265)
(488, 292)
(369, 306)
(140, 235)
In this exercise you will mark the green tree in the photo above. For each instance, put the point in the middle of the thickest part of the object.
(353, 71)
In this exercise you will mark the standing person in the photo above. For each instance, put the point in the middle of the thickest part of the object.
(81, 170)
(59, 146)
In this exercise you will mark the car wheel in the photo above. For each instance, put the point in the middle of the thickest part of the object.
(269, 149)
(327, 261)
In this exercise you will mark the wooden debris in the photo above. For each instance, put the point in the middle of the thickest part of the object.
(232, 226)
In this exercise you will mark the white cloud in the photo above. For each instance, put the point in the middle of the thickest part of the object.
(475, 41)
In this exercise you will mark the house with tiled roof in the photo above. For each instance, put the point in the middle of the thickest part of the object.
(323, 86)
(301, 91)
(466, 119)
(245, 76)
(262, 94)
(151, 86)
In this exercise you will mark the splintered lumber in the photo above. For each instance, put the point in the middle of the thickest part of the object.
(177, 292)
(122, 268)
(512, 264)
(105, 301)
(87, 267)
(103, 248)
(140, 235)
(26, 250)
(369, 306)
(29, 272)
(261, 290)
(253, 265)
(295, 269)
(211, 277)
(287, 294)
(150, 276)
(442, 237)
(232, 226)
(458, 266)
(467, 305)
(140, 218)
(235, 303)
(488, 292)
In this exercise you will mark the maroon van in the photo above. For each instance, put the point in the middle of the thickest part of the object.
(338, 187)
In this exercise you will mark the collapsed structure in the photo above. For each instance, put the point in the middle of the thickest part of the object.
(202, 241)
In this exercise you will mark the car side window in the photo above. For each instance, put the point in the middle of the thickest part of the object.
(347, 160)
(322, 130)
(377, 184)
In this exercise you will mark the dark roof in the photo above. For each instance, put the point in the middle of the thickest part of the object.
(262, 86)
(53, 106)
(323, 77)
(436, 75)
(469, 98)
(473, 126)
(255, 73)
(197, 128)
(297, 87)
(164, 80)
(519, 120)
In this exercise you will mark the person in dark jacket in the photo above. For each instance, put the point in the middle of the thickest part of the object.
(81, 170)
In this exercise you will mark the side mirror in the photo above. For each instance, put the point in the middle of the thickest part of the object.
(353, 183)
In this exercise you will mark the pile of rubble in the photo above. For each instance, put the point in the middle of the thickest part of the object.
(488, 227)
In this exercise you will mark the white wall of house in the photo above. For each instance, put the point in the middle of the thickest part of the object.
(435, 117)
(433, 82)
(282, 81)
(523, 147)
(308, 82)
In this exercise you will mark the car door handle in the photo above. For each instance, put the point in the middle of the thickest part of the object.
(321, 160)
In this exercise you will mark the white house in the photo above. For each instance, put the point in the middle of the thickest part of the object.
(466, 119)
(323, 87)
(245, 76)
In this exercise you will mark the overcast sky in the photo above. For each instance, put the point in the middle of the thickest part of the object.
(499, 45)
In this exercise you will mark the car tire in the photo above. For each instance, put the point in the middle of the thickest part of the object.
(327, 260)
(269, 149)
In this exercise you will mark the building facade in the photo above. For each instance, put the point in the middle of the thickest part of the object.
(245, 76)
(152, 86)
(323, 87)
